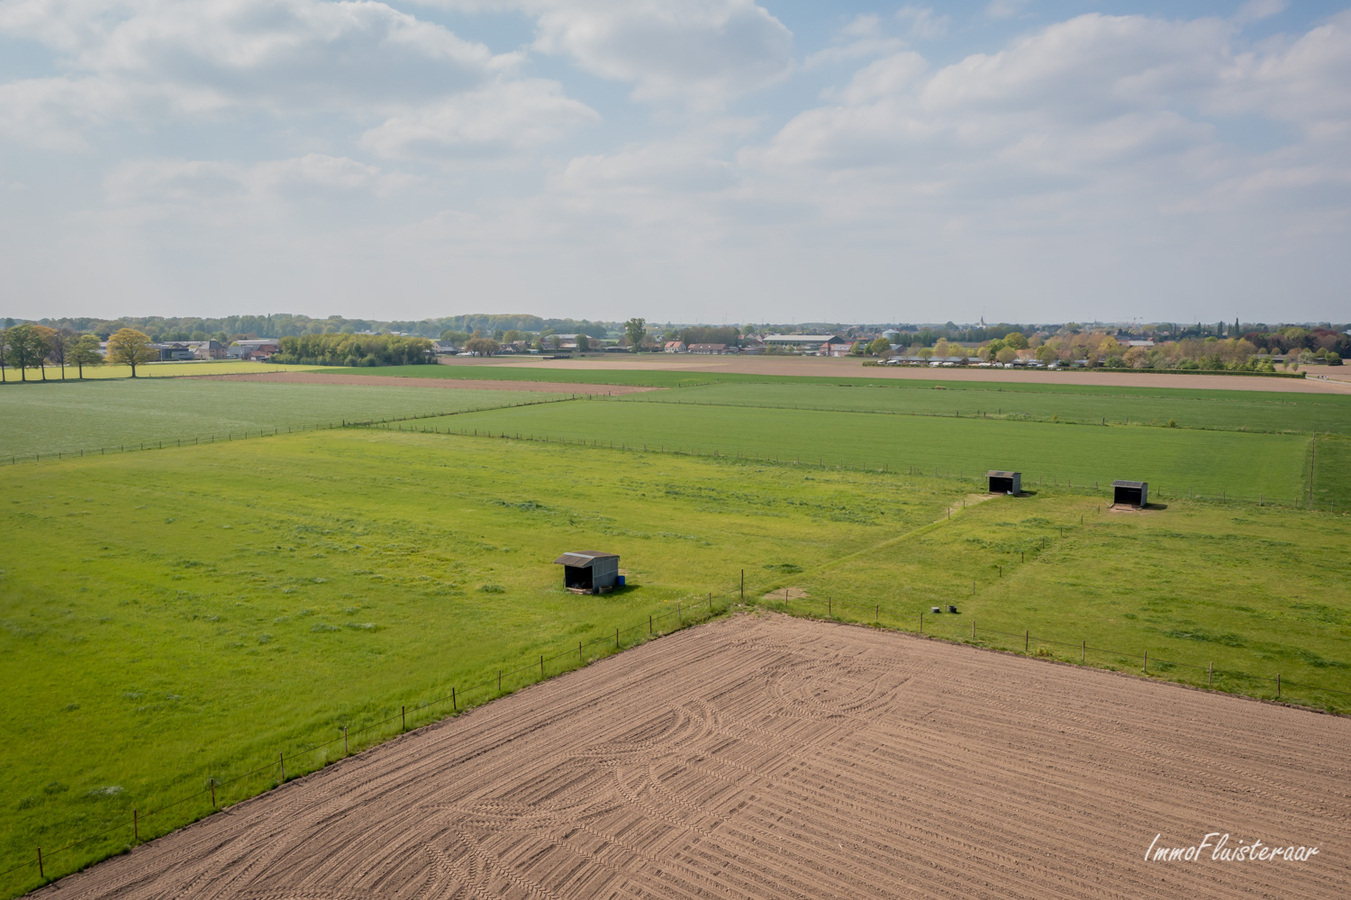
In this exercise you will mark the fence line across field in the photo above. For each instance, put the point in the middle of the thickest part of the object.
(505, 681)
(502, 682)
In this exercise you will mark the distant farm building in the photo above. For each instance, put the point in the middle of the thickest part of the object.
(674, 347)
(708, 349)
(589, 571)
(1130, 493)
(801, 343)
(1005, 482)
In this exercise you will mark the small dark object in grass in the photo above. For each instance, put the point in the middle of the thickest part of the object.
(952, 609)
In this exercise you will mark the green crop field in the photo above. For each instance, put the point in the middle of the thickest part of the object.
(178, 616)
(1228, 410)
(42, 419)
(1271, 467)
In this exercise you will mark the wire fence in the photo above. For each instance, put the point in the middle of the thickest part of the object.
(951, 626)
(220, 792)
(216, 793)
(1156, 492)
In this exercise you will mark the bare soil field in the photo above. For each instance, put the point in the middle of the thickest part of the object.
(853, 368)
(772, 757)
(547, 387)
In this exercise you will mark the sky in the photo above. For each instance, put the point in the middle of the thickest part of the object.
(718, 161)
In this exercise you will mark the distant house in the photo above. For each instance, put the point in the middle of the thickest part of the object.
(801, 343)
(172, 351)
(674, 347)
(444, 348)
(259, 348)
(752, 345)
(708, 349)
(207, 349)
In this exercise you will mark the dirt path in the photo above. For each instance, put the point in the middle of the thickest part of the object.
(549, 387)
(771, 757)
(853, 368)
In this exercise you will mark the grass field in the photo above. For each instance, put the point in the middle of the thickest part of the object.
(71, 417)
(166, 370)
(1173, 461)
(176, 615)
(1227, 411)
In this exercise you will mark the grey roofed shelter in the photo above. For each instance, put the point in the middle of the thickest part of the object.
(1005, 482)
(589, 571)
(1130, 493)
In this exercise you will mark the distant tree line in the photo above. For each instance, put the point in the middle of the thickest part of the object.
(354, 350)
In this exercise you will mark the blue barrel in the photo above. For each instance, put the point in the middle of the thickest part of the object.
(620, 582)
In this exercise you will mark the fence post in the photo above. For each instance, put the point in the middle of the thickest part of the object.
(403, 714)
(41, 874)
(1027, 638)
(1083, 651)
(1210, 675)
(135, 827)
(830, 606)
(743, 585)
(541, 665)
(921, 623)
(213, 793)
(877, 614)
(499, 681)
(282, 757)
(1146, 662)
(580, 658)
(1278, 685)
(616, 637)
(649, 625)
(454, 704)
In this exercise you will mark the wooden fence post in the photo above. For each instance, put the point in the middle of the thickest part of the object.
(743, 585)
(403, 714)
(921, 623)
(1083, 651)
(616, 637)
(213, 793)
(1278, 685)
(1027, 638)
(499, 681)
(454, 704)
(282, 757)
(1210, 675)
(41, 873)
(1146, 662)
(541, 665)
(135, 826)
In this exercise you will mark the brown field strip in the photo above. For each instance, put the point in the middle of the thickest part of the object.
(773, 757)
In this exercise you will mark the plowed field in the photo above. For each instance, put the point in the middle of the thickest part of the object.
(774, 757)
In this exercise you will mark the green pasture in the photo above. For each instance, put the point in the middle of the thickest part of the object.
(1253, 592)
(1271, 467)
(43, 419)
(172, 616)
(1214, 410)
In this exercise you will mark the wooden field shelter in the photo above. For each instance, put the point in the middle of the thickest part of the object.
(1130, 493)
(589, 571)
(1005, 482)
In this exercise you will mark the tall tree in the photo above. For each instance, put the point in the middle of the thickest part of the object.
(636, 329)
(62, 342)
(129, 347)
(583, 343)
(27, 346)
(84, 351)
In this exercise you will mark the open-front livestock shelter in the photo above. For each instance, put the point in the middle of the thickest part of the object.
(1005, 482)
(1130, 493)
(589, 571)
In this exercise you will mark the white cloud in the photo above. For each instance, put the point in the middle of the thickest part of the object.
(496, 120)
(194, 185)
(701, 53)
(883, 77)
(921, 23)
(155, 61)
(1256, 10)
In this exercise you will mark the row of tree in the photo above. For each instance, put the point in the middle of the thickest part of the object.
(355, 350)
(25, 347)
